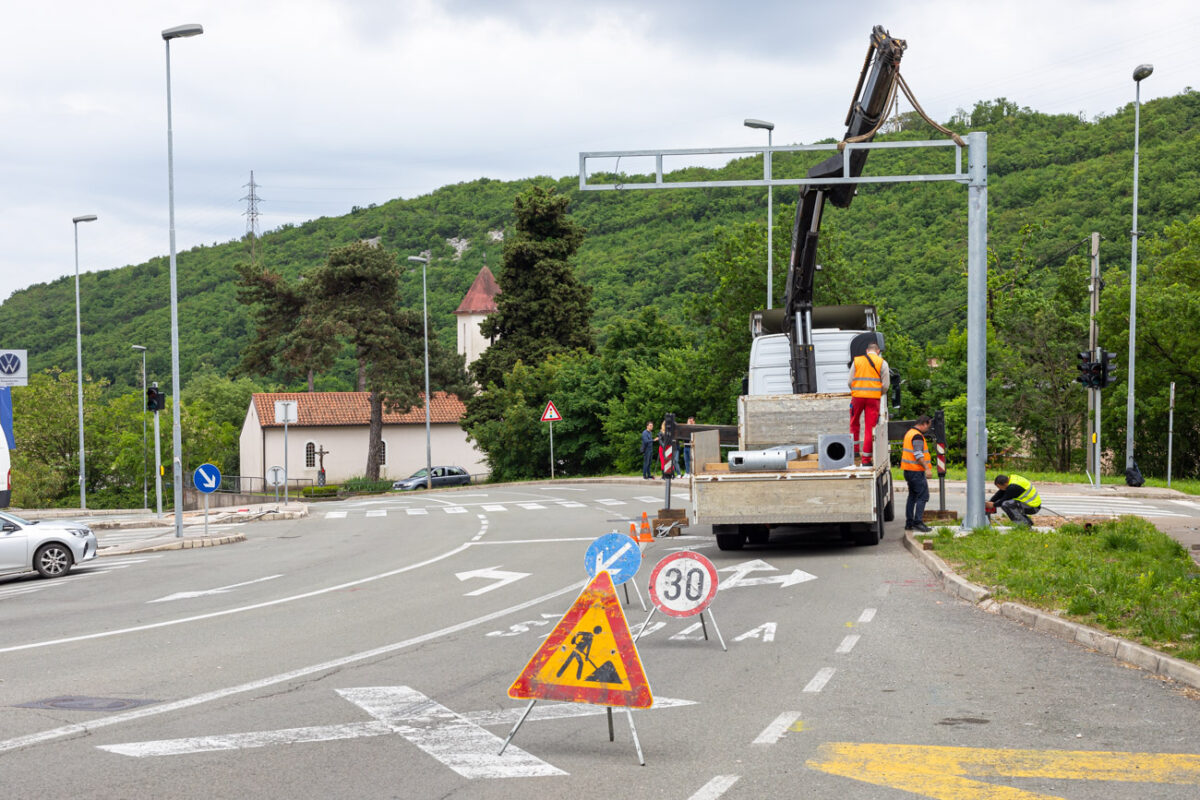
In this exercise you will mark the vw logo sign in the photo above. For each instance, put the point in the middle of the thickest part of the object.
(10, 363)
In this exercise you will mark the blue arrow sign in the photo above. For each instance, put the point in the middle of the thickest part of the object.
(206, 478)
(615, 552)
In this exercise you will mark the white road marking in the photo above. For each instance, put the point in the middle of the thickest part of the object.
(775, 731)
(206, 592)
(493, 507)
(847, 644)
(766, 632)
(820, 679)
(867, 615)
(525, 626)
(657, 625)
(740, 571)
(715, 787)
(460, 744)
(335, 514)
(303, 672)
(532, 506)
(455, 510)
(686, 633)
(496, 574)
(377, 512)
(608, 501)
(552, 711)
(571, 504)
(417, 512)
(644, 499)
(1187, 503)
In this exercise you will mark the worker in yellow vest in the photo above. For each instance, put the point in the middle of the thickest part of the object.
(868, 382)
(916, 466)
(1018, 498)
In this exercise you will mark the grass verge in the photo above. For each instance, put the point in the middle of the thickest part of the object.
(1123, 576)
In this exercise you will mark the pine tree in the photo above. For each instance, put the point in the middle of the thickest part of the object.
(542, 307)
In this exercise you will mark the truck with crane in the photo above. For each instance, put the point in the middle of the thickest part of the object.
(795, 463)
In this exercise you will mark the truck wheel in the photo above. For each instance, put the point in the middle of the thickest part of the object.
(729, 537)
(873, 533)
(889, 510)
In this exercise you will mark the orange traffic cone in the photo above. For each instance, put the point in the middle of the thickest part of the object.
(633, 534)
(645, 535)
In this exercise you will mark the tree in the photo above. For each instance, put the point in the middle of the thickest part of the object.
(542, 307)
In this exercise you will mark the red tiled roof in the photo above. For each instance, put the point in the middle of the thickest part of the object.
(481, 297)
(321, 409)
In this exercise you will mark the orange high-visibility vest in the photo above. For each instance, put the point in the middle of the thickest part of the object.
(910, 460)
(868, 377)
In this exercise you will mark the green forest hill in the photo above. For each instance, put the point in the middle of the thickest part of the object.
(1064, 176)
(680, 256)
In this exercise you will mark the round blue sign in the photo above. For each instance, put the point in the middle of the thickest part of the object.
(206, 478)
(615, 552)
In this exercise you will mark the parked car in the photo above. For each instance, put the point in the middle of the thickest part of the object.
(51, 547)
(442, 476)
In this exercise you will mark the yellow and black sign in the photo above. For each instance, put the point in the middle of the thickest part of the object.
(589, 657)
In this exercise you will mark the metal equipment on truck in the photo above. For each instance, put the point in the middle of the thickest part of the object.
(795, 462)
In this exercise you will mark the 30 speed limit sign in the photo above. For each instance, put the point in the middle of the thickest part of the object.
(683, 584)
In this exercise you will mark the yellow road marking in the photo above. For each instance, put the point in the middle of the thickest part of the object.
(941, 772)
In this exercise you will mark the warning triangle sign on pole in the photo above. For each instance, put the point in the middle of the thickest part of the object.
(551, 413)
(589, 657)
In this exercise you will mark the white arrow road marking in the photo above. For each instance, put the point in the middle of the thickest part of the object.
(740, 571)
(205, 592)
(501, 577)
(457, 740)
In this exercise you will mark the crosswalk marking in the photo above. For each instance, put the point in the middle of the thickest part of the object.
(608, 501)
(377, 512)
(571, 504)
(417, 512)
(532, 506)
(455, 510)
(494, 507)
(335, 515)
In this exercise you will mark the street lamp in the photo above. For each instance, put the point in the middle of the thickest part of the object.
(178, 32)
(425, 320)
(79, 358)
(1142, 72)
(768, 127)
(145, 483)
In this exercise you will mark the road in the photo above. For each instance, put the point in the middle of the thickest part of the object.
(366, 651)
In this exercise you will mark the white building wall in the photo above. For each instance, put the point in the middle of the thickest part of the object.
(471, 343)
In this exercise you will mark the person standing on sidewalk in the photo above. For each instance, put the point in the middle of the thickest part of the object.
(916, 466)
(1018, 498)
(647, 450)
(868, 381)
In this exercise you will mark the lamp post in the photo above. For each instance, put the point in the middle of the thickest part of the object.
(768, 127)
(145, 483)
(1142, 72)
(79, 359)
(425, 320)
(178, 32)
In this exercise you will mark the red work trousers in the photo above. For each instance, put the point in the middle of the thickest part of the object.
(868, 409)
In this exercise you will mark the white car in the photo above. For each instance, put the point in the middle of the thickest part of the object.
(51, 547)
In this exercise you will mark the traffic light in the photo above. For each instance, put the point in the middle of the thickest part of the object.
(1085, 369)
(155, 400)
(1108, 369)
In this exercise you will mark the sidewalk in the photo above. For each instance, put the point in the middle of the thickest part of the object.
(193, 524)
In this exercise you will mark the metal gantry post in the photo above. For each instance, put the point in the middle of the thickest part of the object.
(976, 328)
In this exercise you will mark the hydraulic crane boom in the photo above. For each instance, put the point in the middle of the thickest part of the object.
(876, 85)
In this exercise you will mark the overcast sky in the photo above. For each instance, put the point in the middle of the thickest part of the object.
(337, 103)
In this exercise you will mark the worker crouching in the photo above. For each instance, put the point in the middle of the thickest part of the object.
(1017, 497)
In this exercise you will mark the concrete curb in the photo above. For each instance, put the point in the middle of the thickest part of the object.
(1122, 650)
(183, 544)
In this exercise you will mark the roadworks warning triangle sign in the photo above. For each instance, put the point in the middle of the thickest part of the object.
(589, 657)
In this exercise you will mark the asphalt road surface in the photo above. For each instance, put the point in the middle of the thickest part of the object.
(367, 650)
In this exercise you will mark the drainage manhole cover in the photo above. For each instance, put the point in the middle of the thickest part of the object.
(75, 703)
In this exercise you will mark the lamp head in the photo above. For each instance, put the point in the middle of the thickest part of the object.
(759, 123)
(138, 347)
(84, 218)
(1142, 72)
(180, 31)
(420, 259)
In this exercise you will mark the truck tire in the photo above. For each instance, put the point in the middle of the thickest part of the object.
(873, 533)
(889, 510)
(729, 537)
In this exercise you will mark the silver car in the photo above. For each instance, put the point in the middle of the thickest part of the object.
(51, 547)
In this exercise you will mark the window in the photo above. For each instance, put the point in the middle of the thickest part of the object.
(383, 454)
(310, 454)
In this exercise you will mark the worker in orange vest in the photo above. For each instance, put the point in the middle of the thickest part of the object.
(916, 465)
(868, 382)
